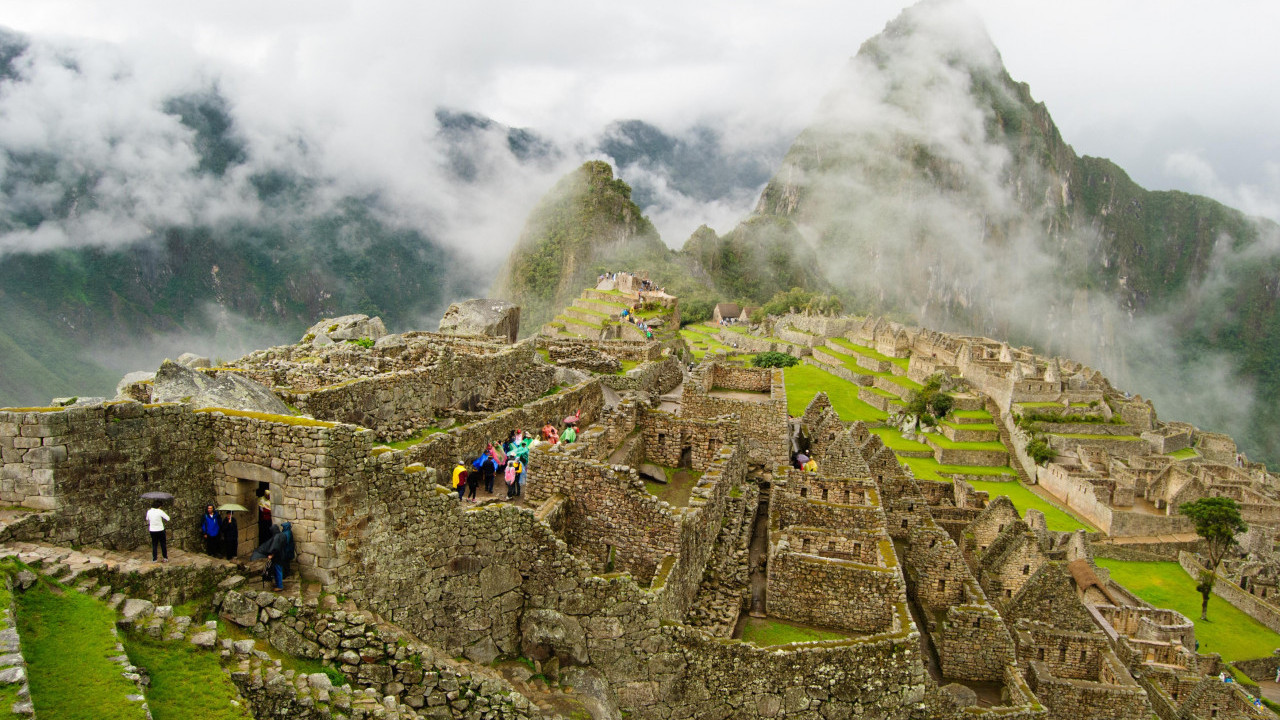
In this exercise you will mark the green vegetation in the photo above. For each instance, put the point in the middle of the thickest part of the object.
(802, 301)
(695, 311)
(678, 487)
(971, 414)
(268, 417)
(1231, 633)
(413, 439)
(364, 342)
(894, 440)
(767, 632)
(930, 469)
(805, 381)
(943, 442)
(870, 352)
(929, 404)
(186, 683)
(1056, 517)
(772, 359)
(68, 643)
(1040, 451)
(1218, 521)
(1184, 454)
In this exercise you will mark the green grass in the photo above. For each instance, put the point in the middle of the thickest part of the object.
(678, 487)
(765, 632)
(1049, 404)
(1184, 454)
(804, 381)
(1092, 436)
(943, 442)
(894, 440)
(970, 426)
(1229, 631)
(186, 682)
(628, 365)
(413, 439)
(930, 469)
(971, 414)
(870, 352)
(1057, 518)
(68, 642)
(287, 662)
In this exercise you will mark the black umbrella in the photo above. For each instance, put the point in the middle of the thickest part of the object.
(156, 495)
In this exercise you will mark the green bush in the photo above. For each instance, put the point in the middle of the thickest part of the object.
(802, 300)
(363, 342)
(772, 359)
(1040, 451)
(695, 311)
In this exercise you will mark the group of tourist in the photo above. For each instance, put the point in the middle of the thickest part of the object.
(803, 462)
(221, 535)
(508, 460)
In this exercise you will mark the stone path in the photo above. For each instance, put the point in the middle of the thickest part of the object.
(1270, 690)
(1150, 539)
(66, 564)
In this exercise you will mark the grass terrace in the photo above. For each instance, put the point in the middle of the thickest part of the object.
(1056, 517)
(186, 683)
(894, 440)
(767, 632)
(1184, 454)
(930, 469)
(870, 352)
(971, 415)
(970, 426)
(412, 440)
(678, 487)
(1093, 436)
(804, 381)
(1228, 631)
(943, 442)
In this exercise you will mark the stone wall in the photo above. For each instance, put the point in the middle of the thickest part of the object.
(667, 437)
(1071, 699)
(833, 364)
(91, 465)
(658, 377)
(973, 643)
(787, 509)
(834, 593)
(763, 423)
(1252, 605)
(395, 404)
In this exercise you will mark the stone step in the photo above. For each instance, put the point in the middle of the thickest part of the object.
(116, 600)
(102, 591)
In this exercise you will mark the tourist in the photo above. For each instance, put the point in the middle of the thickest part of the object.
(513, 471)
(230, 536)
(489, 468)
(460, 479)
(278, 550)
(811, 466)
(209, 528)
(473, 480)
(156, 518)
(264, 518)
(801, 459)
(549, 433)
(569, 435)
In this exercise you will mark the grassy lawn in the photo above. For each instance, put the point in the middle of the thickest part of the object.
(943, 442)
(971, 414)
(804, 381)
(628, 365)
(929, 469)
(186, 683)
(1057, 518)
(1229, 632)
(678, 487)
(970, 426)
(67, 640)
(895, 441)
(413, 439)
(869, 352)
(764, 632)
(1184, 454)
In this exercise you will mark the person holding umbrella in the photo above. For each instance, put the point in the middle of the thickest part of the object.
(230, 533)
(156, 518)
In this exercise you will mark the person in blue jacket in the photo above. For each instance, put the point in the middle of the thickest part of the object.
(210, 526)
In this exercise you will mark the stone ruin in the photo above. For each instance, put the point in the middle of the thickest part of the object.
(932, 601)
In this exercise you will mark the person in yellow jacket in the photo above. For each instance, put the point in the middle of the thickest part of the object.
(460, 479)
(811, 466)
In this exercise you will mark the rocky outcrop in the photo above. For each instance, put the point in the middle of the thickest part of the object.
(347, 327)
(481, 316)
(175, 383)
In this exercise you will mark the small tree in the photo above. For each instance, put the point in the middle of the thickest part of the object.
(1040, 451)
(929, 404)
(771, 359)
(1218, 521)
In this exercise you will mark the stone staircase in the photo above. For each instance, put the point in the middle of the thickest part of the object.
(1007, 440)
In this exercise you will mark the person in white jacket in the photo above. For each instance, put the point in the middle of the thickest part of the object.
(156, 518)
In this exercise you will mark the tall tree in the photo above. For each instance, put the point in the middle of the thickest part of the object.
(1218, 521)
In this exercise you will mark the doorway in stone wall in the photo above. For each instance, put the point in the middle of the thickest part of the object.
(252, 486)
(686, 457)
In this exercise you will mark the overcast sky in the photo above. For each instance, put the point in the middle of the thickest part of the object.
(1181, 94)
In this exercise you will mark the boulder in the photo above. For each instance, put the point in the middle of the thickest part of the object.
(349, 327)
(193, 361)
(962, 695)
(495, 318)
(290, 641)
(547, 633)
(231, 390)
(139, 376)
(239, 609)
(649, 471)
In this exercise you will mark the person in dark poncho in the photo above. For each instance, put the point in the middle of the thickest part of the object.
(279, 552)
(230, 536)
